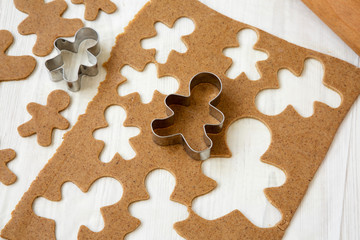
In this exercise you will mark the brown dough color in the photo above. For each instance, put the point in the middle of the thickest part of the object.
(92, 7)
(298, 145)
(46, 118)
(13, 68)
(46, 22)
(6, 176)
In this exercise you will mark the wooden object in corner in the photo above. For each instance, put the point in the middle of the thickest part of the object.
(342, 16)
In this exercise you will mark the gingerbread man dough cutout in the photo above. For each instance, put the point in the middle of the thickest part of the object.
(6, 176)
(92, 7)
(46, 22)
(11, 67)
(46, 118)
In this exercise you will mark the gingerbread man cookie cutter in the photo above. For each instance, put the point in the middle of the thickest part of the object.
(176, 99)
(56, 65)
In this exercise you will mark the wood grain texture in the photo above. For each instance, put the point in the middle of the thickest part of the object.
(298, 145)
(342, 16)
(330, 210)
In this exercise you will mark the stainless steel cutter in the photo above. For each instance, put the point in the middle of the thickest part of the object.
(56, 64)
(175, 99)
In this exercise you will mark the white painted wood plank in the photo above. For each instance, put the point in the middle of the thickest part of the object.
(329, 211)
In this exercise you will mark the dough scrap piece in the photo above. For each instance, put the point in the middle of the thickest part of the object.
(46, 118)
(46, 22)
(11, 67)
(7, 177)
(92, 7)
(298, 145)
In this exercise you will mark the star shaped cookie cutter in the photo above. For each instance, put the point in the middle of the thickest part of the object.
(56, 65)
(176, 99)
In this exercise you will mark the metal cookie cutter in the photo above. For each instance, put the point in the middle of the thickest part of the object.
(175, 99)
(56, 64)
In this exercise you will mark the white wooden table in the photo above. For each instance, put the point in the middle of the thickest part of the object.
(329, 211)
